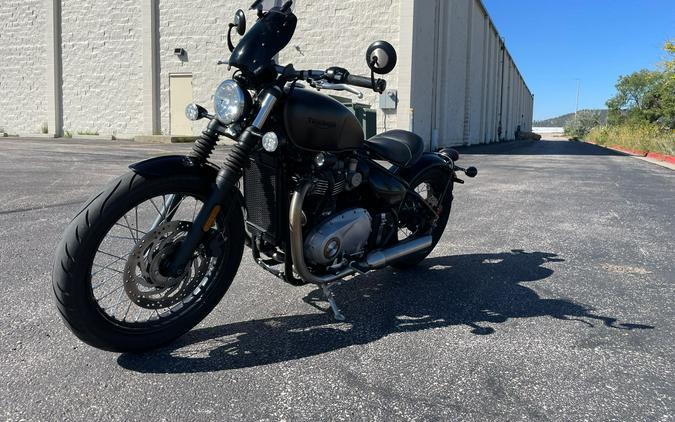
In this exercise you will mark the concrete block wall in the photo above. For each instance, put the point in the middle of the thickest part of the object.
(102, 67)
(338, 33)
(202, 32)
(23, 101)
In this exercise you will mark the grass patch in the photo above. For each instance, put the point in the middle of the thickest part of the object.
(87, 133)
(637, 136)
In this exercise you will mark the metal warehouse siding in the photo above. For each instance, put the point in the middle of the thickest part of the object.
(472, 92)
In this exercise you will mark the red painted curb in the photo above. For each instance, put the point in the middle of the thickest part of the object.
(653, 155)
(661, 157)
(628, 151)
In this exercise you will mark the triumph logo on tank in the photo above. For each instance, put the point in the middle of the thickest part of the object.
(323, 124)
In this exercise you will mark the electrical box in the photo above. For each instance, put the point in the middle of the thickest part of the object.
(389, 99)
(366, 115)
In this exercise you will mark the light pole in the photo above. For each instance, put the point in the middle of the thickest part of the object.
(576, 110)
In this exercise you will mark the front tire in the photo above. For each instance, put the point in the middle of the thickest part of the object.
(84, 309)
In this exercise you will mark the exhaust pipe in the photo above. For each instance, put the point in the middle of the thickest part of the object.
(374, 260)
(384, 257)
(297, 250)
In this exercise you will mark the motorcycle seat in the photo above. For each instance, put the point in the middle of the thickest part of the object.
(399, 147)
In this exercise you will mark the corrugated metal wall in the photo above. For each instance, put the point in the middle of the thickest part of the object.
(466, 88)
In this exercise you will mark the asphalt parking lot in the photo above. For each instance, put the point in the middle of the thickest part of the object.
(550, 297)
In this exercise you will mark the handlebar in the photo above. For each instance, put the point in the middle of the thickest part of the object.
(336, 75)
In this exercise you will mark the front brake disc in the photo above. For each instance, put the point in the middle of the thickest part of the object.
(144, 282)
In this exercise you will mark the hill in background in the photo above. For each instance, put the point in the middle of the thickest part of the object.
(560, 121)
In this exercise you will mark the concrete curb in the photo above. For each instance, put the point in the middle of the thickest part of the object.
(164, 139)
(628, 151)
(661, 157)
(637, 153)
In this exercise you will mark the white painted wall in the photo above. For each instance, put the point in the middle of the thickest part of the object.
(200, 29)
(449, 76)
(102, 67)
(337, 33)
(23, 101)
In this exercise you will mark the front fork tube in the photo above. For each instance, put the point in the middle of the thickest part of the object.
(227, 179)
(168, 210)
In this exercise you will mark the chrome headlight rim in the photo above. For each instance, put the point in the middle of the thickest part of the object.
(237, 101)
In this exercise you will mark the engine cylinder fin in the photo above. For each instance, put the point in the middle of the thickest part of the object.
(321, 187)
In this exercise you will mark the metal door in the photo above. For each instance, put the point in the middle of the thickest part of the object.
(180, 92)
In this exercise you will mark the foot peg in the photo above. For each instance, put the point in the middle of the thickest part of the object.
(331, 301)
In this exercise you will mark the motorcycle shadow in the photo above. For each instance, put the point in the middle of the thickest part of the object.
(470, 290)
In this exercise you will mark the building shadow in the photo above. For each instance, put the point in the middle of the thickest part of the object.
(543, 147)
(478, 291)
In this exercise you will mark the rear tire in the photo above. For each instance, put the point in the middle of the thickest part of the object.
(72, 273)
(436, 180)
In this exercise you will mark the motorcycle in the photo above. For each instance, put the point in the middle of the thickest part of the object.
(152, 254)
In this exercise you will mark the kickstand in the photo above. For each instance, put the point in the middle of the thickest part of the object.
(331, 301)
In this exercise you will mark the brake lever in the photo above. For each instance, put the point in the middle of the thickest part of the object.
(338, 87)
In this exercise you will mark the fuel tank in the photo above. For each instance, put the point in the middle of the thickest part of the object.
(317, 122)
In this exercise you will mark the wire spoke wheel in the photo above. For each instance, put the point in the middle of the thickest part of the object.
(127, 280)
(111, 277)
(413, 227)
(435, 189)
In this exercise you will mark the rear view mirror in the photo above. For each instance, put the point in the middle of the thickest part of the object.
(381, 57)
(240, 22)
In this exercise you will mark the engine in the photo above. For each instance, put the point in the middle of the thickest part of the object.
(344, 234)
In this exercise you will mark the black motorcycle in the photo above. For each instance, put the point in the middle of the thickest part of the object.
(150, 256)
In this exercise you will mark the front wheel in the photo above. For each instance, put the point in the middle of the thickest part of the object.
(109, 280)
(434, 186)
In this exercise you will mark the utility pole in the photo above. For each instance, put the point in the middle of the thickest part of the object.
(576, 110)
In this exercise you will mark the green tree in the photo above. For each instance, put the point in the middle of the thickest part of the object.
(580, 126)
(667, 92)
(670, 51)
(639, 94)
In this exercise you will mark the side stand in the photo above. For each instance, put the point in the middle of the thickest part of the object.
(328, 293)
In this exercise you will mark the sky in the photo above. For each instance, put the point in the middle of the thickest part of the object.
(556, 42)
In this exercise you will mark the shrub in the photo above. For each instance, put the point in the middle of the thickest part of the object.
(641, 136)
(581, 125)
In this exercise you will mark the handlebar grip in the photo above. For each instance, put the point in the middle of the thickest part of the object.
(361, 81)
(366, 82)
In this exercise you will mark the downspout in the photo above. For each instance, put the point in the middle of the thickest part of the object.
(501, 91)
(433, 136)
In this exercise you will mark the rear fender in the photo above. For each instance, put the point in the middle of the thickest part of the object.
(172, 165)
(428, 160)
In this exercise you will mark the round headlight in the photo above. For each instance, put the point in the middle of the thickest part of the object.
(229, 102)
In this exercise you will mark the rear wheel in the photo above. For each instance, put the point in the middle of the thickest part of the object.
(434, 186)
(109, 278)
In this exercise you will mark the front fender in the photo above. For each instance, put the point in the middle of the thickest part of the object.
(427, 161)
(172, 165)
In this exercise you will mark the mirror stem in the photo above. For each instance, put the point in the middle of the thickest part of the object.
(372, 72)
(229, 37)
